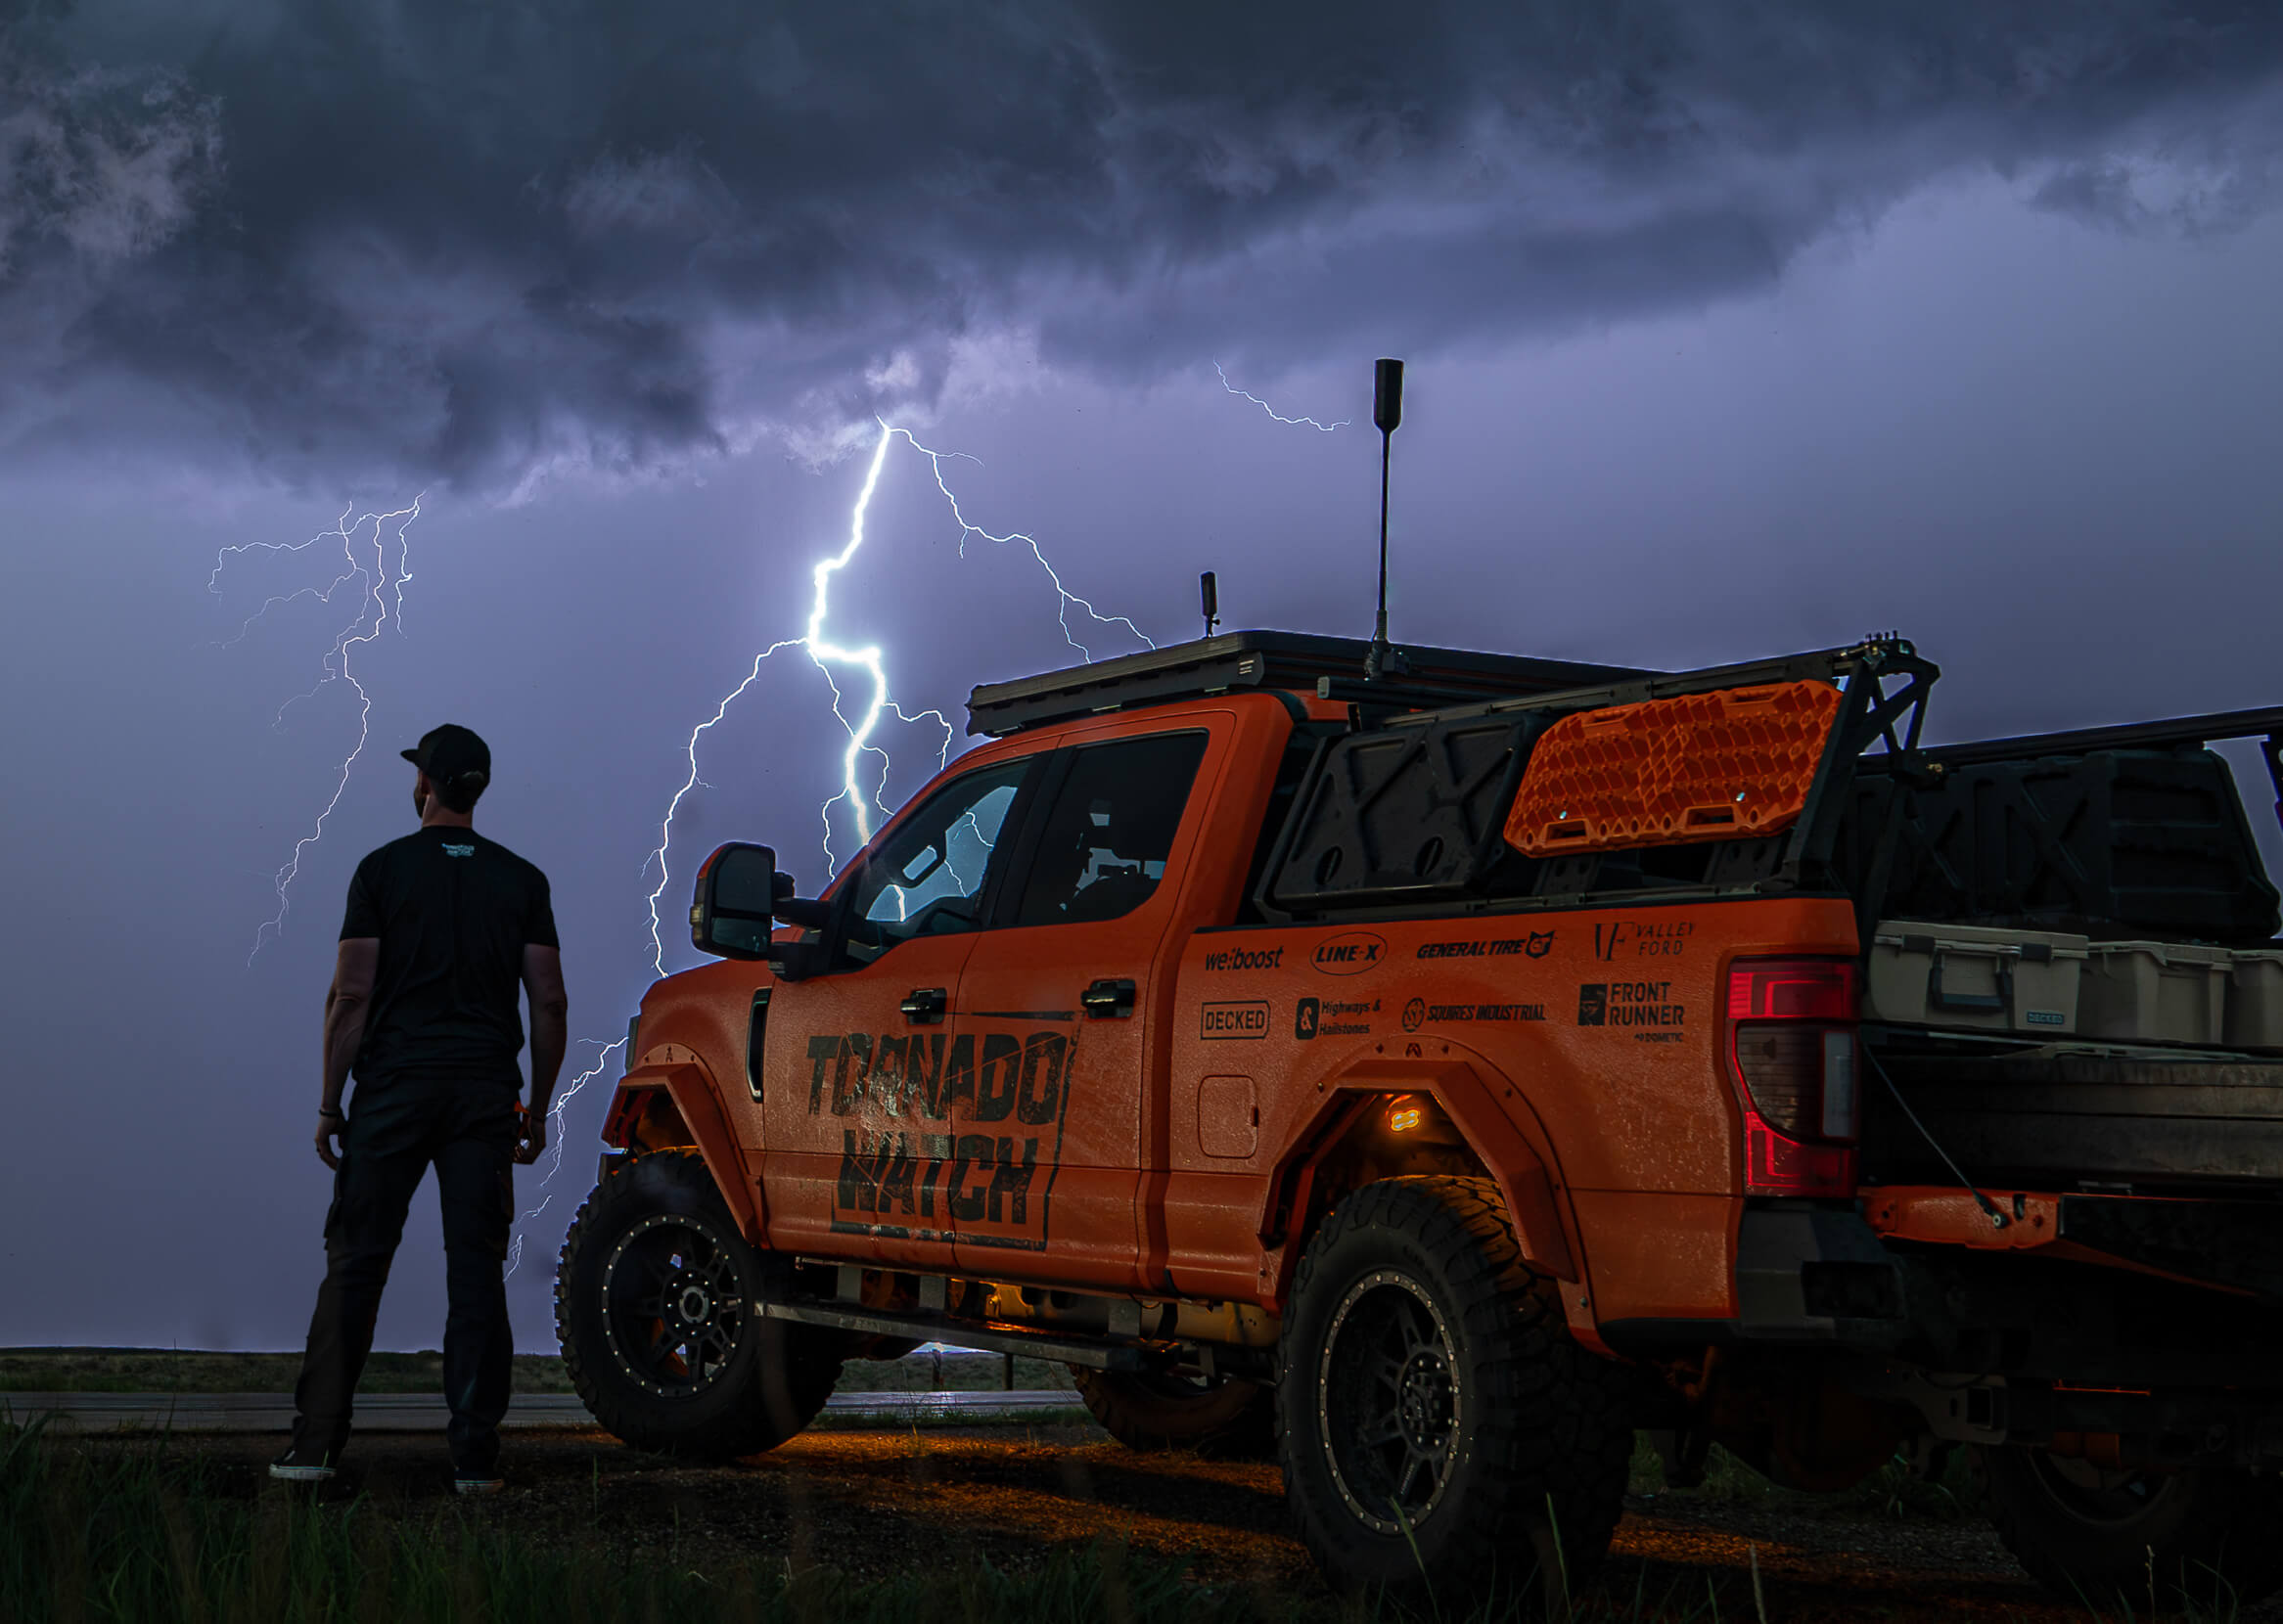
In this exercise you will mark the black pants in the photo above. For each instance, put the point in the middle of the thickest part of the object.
(397, 1127)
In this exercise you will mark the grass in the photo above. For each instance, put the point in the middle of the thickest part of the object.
(145, 1534)
(142, 1536)
(179, 1370)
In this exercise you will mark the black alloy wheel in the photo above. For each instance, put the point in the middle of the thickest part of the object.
(673, 1307)
(657, 1299)
(1388, 1403)
(1442, 1435)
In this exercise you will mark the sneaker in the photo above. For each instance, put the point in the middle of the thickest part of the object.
(478, 1483)
(296, 1466)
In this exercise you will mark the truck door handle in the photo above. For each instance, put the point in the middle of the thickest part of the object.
(925, 1006)
(1108, 1000)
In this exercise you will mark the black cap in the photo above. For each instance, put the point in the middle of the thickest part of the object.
(453, 755)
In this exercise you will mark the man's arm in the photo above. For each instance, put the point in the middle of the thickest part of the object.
(550, 1037)
(346, 1003)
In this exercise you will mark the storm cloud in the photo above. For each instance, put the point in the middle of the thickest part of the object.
(357, 239)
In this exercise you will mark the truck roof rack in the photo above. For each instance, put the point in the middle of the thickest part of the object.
(1331, 666)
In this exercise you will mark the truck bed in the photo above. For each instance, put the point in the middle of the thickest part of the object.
(2071, 1115)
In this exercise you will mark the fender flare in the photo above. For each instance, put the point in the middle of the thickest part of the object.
(1490, 1112)
(689, 1083)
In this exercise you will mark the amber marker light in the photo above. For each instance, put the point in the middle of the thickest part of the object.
(1402, 1116)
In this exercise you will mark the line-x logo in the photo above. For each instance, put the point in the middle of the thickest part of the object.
(1351, 953)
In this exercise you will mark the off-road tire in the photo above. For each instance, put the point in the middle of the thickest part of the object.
(2210, 1535)
(660, 1218)
(1222, 1420)
(1537, 1439)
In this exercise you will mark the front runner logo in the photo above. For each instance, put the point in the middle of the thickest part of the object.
(1593, 1003)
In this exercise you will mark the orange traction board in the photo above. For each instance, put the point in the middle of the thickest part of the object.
(1700, 767)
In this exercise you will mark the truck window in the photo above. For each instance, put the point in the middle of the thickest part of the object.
(1110, 830)
(927, 878)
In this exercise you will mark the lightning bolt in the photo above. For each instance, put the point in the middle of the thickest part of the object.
(380, 602)
(869, 661)
(863, 668)
(1298, 423)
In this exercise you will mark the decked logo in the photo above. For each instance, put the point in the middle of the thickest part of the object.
(1351, 953)
(1221, 1022)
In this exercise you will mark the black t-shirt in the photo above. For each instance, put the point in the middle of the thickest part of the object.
(453, 912)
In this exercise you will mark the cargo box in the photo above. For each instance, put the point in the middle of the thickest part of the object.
(2255, 1000)
(1975, 978)
(2154, 992)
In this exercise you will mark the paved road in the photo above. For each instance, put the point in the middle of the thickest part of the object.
(424, 1413)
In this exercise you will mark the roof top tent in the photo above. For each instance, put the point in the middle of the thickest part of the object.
(1333, 666)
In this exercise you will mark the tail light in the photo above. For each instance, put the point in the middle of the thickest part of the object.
(1791, 1054)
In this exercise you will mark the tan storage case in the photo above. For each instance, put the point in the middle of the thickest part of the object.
(1973, 976)
(2155, 992)
(2255, 999)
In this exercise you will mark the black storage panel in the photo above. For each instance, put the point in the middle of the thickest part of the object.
(1412, 811)
(2113, 843)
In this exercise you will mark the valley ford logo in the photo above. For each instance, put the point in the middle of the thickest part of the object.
(1351, 953)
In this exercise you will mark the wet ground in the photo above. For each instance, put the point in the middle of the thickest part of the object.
(874, 1502)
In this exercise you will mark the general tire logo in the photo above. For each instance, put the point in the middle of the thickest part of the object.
(1351, 953)
(1536, 945)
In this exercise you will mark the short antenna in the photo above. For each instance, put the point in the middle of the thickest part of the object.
(1209, 599)
(1386, 413)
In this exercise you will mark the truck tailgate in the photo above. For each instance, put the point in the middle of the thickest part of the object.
(2063, 1116)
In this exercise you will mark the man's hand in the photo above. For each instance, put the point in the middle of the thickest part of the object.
(329, 1127)
(530, 1136)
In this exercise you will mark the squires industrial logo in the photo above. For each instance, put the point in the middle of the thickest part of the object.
(990, 1175)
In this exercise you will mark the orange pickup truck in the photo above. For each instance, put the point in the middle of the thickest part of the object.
(1433, 1072)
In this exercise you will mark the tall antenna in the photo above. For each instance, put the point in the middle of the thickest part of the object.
(1387, 412)
(1208, 599)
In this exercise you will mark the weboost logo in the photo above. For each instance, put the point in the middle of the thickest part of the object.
(1245, 958)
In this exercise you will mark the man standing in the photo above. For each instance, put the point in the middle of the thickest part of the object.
(443, 926)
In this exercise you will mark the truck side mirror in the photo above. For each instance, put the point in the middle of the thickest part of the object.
(735, 902)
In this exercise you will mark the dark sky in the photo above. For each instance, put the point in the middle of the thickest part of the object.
(1732, 328)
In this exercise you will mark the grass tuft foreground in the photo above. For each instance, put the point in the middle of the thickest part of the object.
(139, 1535)
(144, 1533)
